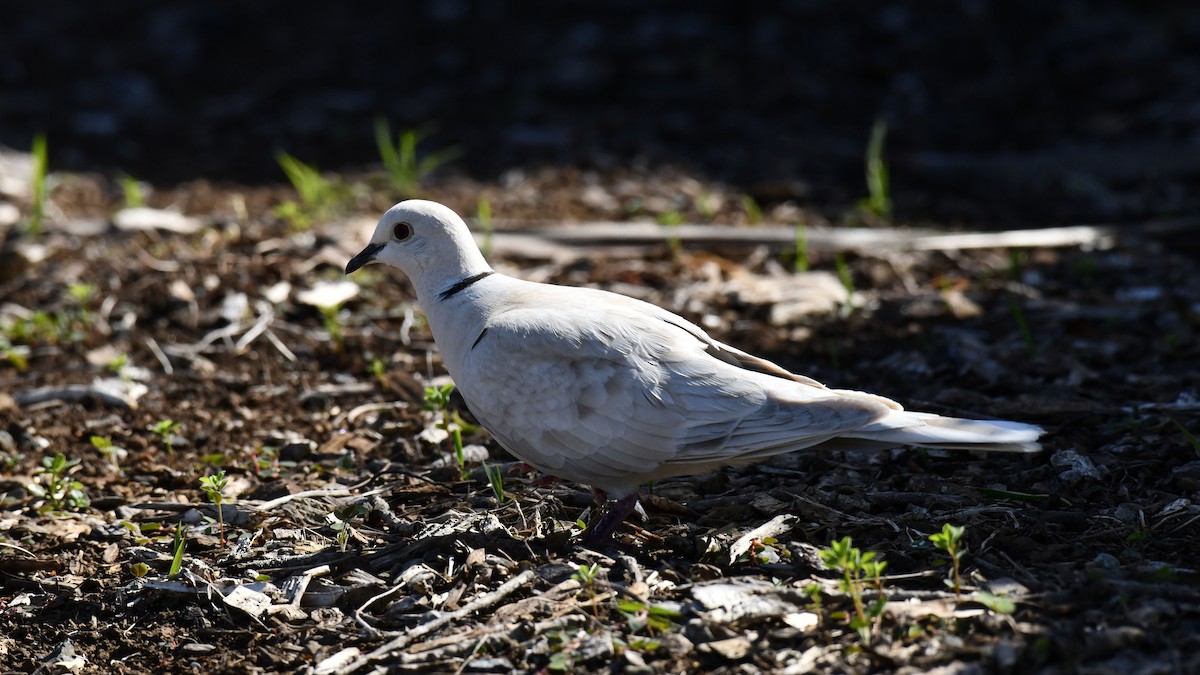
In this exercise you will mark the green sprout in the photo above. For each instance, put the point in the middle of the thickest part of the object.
(706, 204)
(320, 197)
(177, 549)
(496, 479)
(801, 246)
(340, 522)
(671, 220)
(483, 215)
(214, 488)
(378, 370)
(754, 214)
(586, 574)
(41, 165)
(118, 364)
(332, 322)
(655, 619)
(60, 491)
(437, 400)
(1188, 435)
(878, 202)
(950, 541)
(996, 603)
(14, 355)
(1022, 325)
(847, 279)
(400, 156)
(113, 453)
(858, 570)
(166, 428)
(81, 292)
(131, 190)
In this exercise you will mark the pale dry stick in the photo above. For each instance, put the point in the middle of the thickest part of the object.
(259, 327)
(832, 239)
(167, 266)
(22, 550)
(323, 492)
(374, 407)
(287, 353)
(71, 392)
(371, 631)
(482, 602)
(222, 333)
(160, 355)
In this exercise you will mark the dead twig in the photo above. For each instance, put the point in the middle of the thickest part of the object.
(481, 602)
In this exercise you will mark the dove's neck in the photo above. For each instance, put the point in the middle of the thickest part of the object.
(457, 300)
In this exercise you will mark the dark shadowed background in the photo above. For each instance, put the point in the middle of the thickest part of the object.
(1002, 111)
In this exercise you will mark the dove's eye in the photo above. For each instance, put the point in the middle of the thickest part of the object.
(401, 231)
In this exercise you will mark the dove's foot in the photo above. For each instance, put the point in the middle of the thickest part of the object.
(599, 532)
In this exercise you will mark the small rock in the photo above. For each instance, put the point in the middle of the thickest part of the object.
(144, 218)
(1078, 467)
(9, 214)
(634, 664)
(1105, 561)
(328, 293)
(676, 646)
(734, 648)
(198, 648)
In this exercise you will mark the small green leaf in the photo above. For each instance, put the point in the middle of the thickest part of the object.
(996, 603)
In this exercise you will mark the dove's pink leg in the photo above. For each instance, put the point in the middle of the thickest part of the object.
(600, 530)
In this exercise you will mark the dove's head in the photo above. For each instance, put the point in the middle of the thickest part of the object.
(425, 240)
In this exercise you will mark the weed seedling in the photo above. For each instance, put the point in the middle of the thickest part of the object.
(214, 488)
(878, 201)
(41, 165)
(655, 619)
(586, 574)
(847, 279)
(333, 325)
(754, 214)
(1022, 326)
(1188, 435)
(131, 190)
(340, 522)
(16, 356)
(177, 548)
(858, 570)
(399, 157)
(378, 370)
(113, 453)
(319, 196)
(671, 220)
(437, 400)
(483, 215)
(496, 479)
(800, 245)
(165, 428)
(60, 491)
(950, 541)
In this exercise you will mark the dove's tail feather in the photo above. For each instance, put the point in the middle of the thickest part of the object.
(952, 433)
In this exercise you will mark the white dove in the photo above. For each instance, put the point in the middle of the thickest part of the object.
(602, 389)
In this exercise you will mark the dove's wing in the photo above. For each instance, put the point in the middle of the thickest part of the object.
(607, 393)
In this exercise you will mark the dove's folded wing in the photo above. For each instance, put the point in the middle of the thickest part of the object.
(614, 394)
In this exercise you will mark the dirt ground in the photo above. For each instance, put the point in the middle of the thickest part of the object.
(352, 541)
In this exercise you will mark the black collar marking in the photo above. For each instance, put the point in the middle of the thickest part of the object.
(461, 284)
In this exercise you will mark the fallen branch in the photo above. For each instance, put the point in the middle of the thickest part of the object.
(481, 602)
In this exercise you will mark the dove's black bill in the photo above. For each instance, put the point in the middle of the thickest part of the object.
(365, 256)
